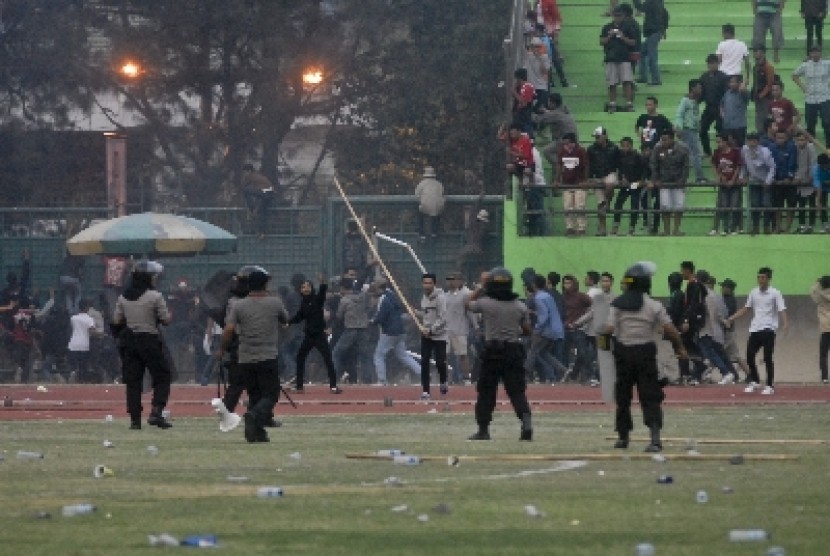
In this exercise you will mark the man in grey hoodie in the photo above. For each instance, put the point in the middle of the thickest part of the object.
(433, 333)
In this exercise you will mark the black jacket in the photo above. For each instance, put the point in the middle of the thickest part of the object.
(311, 311)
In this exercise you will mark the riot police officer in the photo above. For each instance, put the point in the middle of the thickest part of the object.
(632, 320)
(138, 312)
(505, 319)
(256, 319)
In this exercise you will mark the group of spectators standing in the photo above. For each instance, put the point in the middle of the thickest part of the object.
(779, 163)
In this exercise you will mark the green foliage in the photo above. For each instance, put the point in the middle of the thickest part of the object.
(334, 505)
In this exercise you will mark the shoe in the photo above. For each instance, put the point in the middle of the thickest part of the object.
(713, 232)
(345, 377)
(593, 383)
(728, 379)
(297, 390)
(444, 389)
(693, 382)
(723, 233)
(611, 107)
(641, 80)
(336, 390)
(702, 180)
(653, 448)
(751, 387)
(808, 229)
(768, 391)
(565, 83)
(135, 426)
(526, 435)
(480, 435)
(157, 420)
(250, 427)
(261, 436)
(629, 107)
(273, 423)
(621, 443)
(824, 381)
(734, 233)
(425, 396)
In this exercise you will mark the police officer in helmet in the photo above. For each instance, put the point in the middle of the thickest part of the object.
(138, 312)
(632, 320)
(256, 319)
(505, 320)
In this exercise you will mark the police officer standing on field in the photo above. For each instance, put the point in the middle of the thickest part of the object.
(505, 319)
(632, 320)
(256, 319)
(138, 312)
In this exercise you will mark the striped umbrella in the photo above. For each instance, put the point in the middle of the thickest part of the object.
(152, 233)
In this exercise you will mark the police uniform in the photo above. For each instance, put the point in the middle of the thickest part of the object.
(634, 316)
(141, 343)
(505, 319)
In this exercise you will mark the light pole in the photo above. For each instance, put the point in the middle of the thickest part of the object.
(116, 149)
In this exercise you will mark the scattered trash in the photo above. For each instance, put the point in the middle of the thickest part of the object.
(108, 444)
(574, 522)
(43, 515)
(100, 471)
(390, 453)
(152, 450)
(23, 454)
(443, 508)
(644, 549)
(269, 492)
(78, 509)
(423, 518)
(736, 460)
(659, 458)
(533, 511)
(601, 473)
(237, 478)
(163, 540)
(108, 419)
(406, 460)
(453, 461)
(776, 551)
(42, 388)
(201, 541)
(748, 535)
(727, 490)
(108, 516)
(692, 452)
(433, 410)
(399, 509)
(393, 481)
(686, 62)
(165, 414)
(296, 456)
(665, 479)
(702, 497)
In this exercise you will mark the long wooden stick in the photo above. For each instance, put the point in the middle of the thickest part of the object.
(731, 441)
(376, 256)
(615, 456)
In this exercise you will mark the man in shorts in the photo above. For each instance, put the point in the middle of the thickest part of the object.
(669, 164)
(617, 39)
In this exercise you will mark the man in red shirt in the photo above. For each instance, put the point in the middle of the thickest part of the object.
(520, 154)
(523, 96)
(572, 170)
(726, 160)
(782, 110)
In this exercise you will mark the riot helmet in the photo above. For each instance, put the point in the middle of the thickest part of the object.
(500, 285)
(251, 277)
(638, 276)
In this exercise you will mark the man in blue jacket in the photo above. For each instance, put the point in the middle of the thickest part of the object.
(392, 337)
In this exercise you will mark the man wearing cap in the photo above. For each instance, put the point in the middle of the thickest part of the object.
(813, 78)
(768, 308)
(430, 194)
(758, 169)
(603, 164)
(727, 295)
(538, 71)
(617, 39)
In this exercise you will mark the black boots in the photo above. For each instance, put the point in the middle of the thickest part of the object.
(527, 428)
(656, 445)
(482, 434)
(157, 419)
(135, 423)
(622, 441)
(253, 432)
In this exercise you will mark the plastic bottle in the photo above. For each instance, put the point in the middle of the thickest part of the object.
(776, 551)
(702, 497)
(152, 450)
(77, 509)
(406, 460)
(390, 453)
(748, 535)
(269, 492)
(23, 454)
(644, 549)
(665, 479)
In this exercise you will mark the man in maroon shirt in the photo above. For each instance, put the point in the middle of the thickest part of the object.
(782, 110)
(726, 160)
(572, 172)
(577, 316)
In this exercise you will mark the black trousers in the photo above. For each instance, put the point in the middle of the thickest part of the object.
(320, 342)
(637, 366)
(689, 340)
(622, 196)
(262, 382)
(711, 115)
(823, 351)
(236, 382)
(505, 363)
(433, 348)
(762, 339)
(144, 351)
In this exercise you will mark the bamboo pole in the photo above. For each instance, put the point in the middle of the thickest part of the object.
(615, 456)
(376, 256)
(785, 441)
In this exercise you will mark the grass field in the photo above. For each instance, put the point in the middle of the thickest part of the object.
(334, 505)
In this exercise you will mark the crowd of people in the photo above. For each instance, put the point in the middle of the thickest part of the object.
(781, 165)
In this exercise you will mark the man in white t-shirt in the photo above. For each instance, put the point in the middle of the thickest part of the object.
(82, 325)
(732, 54)
(767, 305)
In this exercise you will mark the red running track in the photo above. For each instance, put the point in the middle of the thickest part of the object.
(32, 402)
